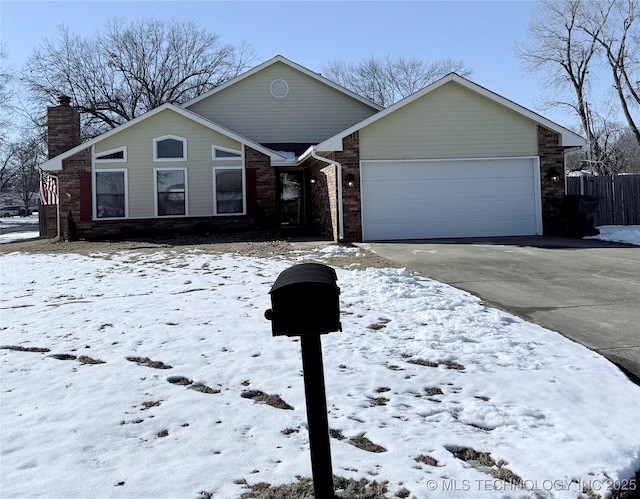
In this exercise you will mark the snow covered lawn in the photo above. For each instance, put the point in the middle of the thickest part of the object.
(131, 375)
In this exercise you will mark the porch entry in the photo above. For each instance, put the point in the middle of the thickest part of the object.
(291, 207)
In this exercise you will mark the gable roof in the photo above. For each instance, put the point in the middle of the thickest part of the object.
(56, 163)
(316, 76)
(568, 138)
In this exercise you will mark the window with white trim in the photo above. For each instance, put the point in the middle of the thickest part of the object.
(111, 193)
(228, 191)
(171, 191)
(220, 153)
(170, 148)
(118, 155)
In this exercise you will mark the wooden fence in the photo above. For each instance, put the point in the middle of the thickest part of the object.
(619, 197)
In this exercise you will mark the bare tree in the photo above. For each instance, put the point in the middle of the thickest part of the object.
(125, 70)
(19, 173)
(385, 80)
(630, 151)
(568, 41)
(615, 25)
(7, 163)
(562, 54)
(622, 152)
(6, 77)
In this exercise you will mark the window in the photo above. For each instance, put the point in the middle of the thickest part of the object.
(112, 155)
(111, 186)
(171, 192)
(228, 191)
(220, 153)
(170, 148)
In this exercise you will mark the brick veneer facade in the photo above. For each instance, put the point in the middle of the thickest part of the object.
(323, 200)
(324, 192)
(349, 158)
(63, 127)
(261, 187)
(63, 134)
(552, 191)
(69, 194)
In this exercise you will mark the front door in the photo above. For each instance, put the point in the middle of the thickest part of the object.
(291, 199)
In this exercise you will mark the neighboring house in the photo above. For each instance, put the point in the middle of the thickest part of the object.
(283, 147)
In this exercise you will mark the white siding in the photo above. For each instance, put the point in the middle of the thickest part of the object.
(450, 122)
(140, 164)
(310, 113)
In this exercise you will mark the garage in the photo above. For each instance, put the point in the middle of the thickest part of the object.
(425, 199)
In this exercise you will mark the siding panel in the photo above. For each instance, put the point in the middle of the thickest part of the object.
(450, 122)
(310, 113)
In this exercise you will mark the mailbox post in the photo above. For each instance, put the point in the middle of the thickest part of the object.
(305, 302)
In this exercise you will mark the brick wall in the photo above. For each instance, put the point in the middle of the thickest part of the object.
(324, 193)
(164, 227)
(69, 193)
(63, 127)
(349, 158)
(258, 166)
(63, 133)
(552, 191)
(323, 200)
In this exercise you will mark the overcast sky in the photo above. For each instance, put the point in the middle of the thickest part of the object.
(480, 33)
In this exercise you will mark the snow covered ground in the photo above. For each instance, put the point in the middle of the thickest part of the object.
(619, 233)
(32, 232)
(423, 374)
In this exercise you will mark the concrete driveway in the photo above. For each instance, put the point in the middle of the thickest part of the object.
(587, 290)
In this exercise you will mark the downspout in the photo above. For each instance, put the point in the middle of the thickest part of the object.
(339, 186)
(59, 236)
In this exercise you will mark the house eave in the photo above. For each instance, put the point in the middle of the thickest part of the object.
(52, 165)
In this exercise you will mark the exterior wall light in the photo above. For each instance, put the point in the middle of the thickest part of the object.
(351, 182)
(553, 175)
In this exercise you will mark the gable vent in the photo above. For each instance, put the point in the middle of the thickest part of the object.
(279, 88)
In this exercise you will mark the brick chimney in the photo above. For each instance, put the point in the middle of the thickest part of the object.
(63, 123)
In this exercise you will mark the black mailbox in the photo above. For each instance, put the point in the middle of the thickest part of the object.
(305, 300)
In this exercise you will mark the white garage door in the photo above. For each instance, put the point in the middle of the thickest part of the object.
(450, 198)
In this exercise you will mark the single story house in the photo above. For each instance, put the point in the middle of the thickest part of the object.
(283, 147)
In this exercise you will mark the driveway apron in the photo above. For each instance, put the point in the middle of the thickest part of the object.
(587, 290)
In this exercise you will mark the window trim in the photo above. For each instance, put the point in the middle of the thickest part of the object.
(125, 171)
(244, 191)
(111, 151)
(239, 152)
(173, 137)
(155, 192)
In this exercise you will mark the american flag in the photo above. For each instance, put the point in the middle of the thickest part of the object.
(48, 189)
